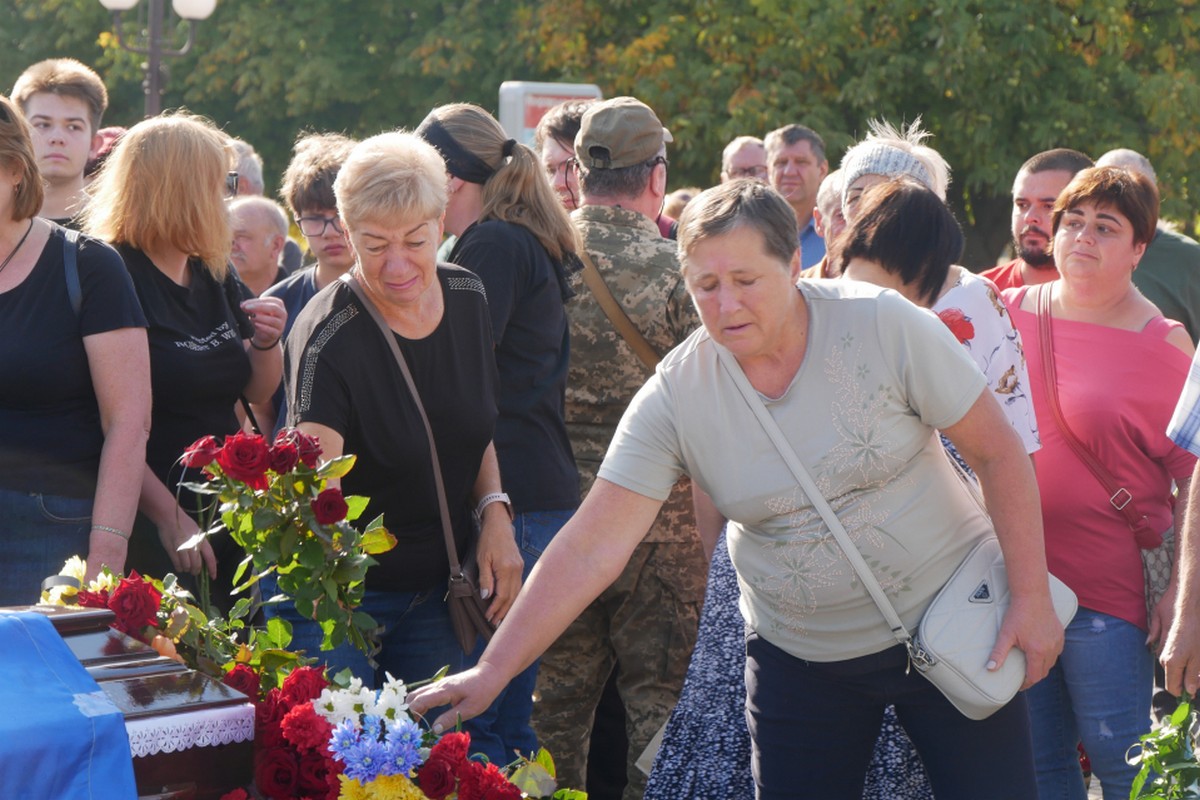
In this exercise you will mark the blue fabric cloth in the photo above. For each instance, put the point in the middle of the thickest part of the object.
(60, 735)
(1098, 693)
(812, 246)
(504, 727)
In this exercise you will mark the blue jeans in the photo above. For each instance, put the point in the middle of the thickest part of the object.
(504, 727)
(41, 531)
(1098, 693)
(813, 728)
(416, 637)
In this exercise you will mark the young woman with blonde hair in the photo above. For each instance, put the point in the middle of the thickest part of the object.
(160, 200)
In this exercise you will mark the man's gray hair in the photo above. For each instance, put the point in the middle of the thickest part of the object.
(249, 165)
(1125, 158)
(734, 146)
(265, 208)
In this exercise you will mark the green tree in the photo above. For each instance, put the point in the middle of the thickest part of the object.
(994, 81)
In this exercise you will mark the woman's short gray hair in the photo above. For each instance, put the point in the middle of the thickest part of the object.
(392, 175)
(740, 203)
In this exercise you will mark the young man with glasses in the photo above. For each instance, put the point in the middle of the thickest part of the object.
(308, 191)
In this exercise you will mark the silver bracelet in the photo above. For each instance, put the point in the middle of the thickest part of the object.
(114, 531)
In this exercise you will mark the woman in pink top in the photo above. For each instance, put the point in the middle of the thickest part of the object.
(1119, 367)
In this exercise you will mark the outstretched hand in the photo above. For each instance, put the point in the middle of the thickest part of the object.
(468, 694)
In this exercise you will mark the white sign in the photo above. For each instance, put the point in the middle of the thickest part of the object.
(524, 103)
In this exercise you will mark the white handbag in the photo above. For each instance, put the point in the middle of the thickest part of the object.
(958, 631)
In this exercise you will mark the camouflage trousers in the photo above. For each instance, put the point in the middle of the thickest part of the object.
(645, 622)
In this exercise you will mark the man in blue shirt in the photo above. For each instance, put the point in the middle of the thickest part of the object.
(796, 165)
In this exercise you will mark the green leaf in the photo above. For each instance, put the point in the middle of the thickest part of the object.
(570, 794)
(337, 467)
(378, 541)
(278, 633)
(356, 505)
(533, 779)
(544, 758)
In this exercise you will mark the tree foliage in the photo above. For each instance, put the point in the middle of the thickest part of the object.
(995, 81)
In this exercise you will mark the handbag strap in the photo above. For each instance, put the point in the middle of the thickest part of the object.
(616, 315)
(394, 346)
(800, 473)
(1118, 496)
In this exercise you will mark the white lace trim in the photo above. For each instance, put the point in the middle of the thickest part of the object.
(207, 728)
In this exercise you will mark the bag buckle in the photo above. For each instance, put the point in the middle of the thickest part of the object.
(919, 657)
(1125, 498)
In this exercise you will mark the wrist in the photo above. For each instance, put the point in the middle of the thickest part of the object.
(494, 499)
(265, 347)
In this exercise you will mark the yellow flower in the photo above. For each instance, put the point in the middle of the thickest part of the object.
(351, 789)
(75, 567)
(393, 787)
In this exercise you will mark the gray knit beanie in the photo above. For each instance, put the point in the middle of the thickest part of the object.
(870, 158)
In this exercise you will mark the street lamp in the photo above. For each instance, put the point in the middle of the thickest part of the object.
(152, 44)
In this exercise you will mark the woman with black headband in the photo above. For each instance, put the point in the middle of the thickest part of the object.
(515, 235)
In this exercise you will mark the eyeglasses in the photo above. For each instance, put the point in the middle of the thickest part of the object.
(231, 184)
(654, 162)
(315, 226)
(748, 172)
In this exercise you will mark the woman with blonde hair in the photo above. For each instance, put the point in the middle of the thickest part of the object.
(345, 385)
(160, 200)
(515, 235)
(75, 400)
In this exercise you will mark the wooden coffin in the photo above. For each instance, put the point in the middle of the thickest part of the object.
(192, 737)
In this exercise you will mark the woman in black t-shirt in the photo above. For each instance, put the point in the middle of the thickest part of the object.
(160, 200)
(345, 386)
(75, 394)
(515, 235)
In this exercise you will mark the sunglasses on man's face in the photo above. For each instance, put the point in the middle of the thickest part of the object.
(231, 184)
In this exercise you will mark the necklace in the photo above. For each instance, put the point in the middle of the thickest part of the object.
(9, 257)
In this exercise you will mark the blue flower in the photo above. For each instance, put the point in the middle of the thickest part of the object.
(344, 737)
(372, 725)
(402, 743)
(365, 760)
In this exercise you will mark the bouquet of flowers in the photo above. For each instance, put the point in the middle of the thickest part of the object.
(274, 501)
(377, 751)
(165, 616)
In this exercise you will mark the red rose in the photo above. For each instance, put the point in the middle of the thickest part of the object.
(314, 772)
(244, 457)
(303, 684)
(308, 447)
(202, 452)
(92, 599)
(284, 457)
(306, 729)
(958, 323)
(330, 507)
(268, 715)
(236, 794)
(244, 679)
(276, 773)
(135, 601)
(436, 777)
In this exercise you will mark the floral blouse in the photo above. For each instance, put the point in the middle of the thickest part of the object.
(974, 312)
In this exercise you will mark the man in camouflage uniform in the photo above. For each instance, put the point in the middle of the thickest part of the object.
(646, 621)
